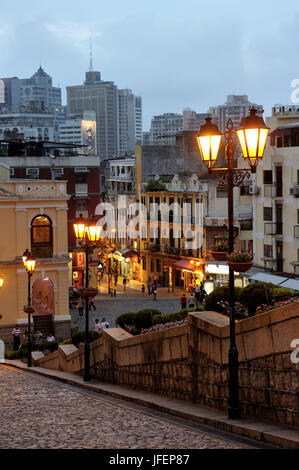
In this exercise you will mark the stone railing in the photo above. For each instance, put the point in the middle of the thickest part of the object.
(190, 362)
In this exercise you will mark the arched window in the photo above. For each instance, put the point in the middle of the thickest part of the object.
(41, 237)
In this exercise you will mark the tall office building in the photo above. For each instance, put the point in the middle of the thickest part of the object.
(235, 108)
(129, 121)
(102, 98)
(165, 127)
(38, 88)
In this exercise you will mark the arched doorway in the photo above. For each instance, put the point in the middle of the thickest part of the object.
(43, 296)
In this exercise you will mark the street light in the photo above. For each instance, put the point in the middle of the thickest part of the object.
(88, 235)
(252, 135)
(1, 281)
(29, 264)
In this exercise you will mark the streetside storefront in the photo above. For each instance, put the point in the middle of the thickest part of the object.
(216, 274)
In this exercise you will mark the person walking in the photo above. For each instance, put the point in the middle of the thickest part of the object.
(97, 326)
(91, 303)
(183, 301)
(125, 283)
(16, 334)
(51, 337)
(143, 289)
(80, 307)
(104, 324)
(155, 292)
(191, 300)
(149, 288)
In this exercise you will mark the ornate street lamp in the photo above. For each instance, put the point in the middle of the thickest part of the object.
(88, 235)
(1, 281)
(252, 135)
(29, 264)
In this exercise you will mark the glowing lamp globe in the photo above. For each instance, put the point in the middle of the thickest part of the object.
(79, 227)
(209, 139)
(252, 135)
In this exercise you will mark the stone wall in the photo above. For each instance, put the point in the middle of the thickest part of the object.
(190, 362)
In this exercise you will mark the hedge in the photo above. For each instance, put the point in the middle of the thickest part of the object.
(80, 336)
(220, 294)
(139, 320)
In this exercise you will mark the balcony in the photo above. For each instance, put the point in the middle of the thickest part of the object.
(273, 228)
(81, 189)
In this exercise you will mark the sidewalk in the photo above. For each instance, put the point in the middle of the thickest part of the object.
(268, 433)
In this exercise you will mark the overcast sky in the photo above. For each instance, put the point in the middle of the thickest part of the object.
(174, 53)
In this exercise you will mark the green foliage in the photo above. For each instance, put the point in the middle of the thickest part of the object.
(281, 293)
(67, 341)
(155, 185)
(12, 355)
(79, 337)
(139, 320)
(239, 257)
(50, 345)
(256, 294)
(220, 294)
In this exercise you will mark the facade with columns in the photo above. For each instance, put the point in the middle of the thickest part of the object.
(34, 216)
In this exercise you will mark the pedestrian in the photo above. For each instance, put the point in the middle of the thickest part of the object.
(38, 337)
(191, 300)
(155, 293)
(202, 294)
(91, 303)
(97, 326)
(51, 337)
(80, 307)
(115, 280)
(125, 283)
(143, 289)
(197, 296)
(149, 288)
(24, 340)
(104, 324)
(183, 302)
(16, 334)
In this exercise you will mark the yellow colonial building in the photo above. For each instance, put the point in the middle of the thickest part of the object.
(33, 215)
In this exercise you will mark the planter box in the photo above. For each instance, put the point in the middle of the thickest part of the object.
(240, 267)
(219, 255)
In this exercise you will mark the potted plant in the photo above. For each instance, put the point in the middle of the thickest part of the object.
(240, 262)
(221, 250)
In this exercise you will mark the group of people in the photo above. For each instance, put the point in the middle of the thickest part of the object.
(195, 299)
(101, 326)
(80, 305)
(152, 287)
(21, 340)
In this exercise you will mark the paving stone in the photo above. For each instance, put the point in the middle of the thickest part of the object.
(39, 414)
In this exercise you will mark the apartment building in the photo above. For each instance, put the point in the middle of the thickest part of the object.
(276, 208)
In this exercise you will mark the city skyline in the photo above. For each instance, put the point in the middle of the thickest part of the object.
(173, 57)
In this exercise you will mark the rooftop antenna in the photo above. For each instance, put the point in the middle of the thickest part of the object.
(90, 60)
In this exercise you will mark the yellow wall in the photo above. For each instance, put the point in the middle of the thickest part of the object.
(20, 202)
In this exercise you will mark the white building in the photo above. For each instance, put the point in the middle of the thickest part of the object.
(81, 132)
(41, 123)
(129, 121)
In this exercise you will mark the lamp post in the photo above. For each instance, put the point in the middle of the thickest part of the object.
(252, 136)
(88, 234)
(1, 281)
(29, 264)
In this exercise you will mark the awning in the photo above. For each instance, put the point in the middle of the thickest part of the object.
(291, 284)
(268, 278)
(127, 253)
(184, 264)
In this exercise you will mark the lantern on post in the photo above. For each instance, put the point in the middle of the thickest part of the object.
(209, 139)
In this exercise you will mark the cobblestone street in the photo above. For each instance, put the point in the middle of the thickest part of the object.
(41, 414)
(131, 300)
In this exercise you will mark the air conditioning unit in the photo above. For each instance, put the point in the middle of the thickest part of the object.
(253, 189)
(294, 191)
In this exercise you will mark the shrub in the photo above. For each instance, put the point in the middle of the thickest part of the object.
(174, 316)
(256, 294)
(137, 320)
(238, 256)
(220, 294)
(79, 337)
(50, 345)
(126, 319)
(67, 341)
(12, 355)
(281, 293)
